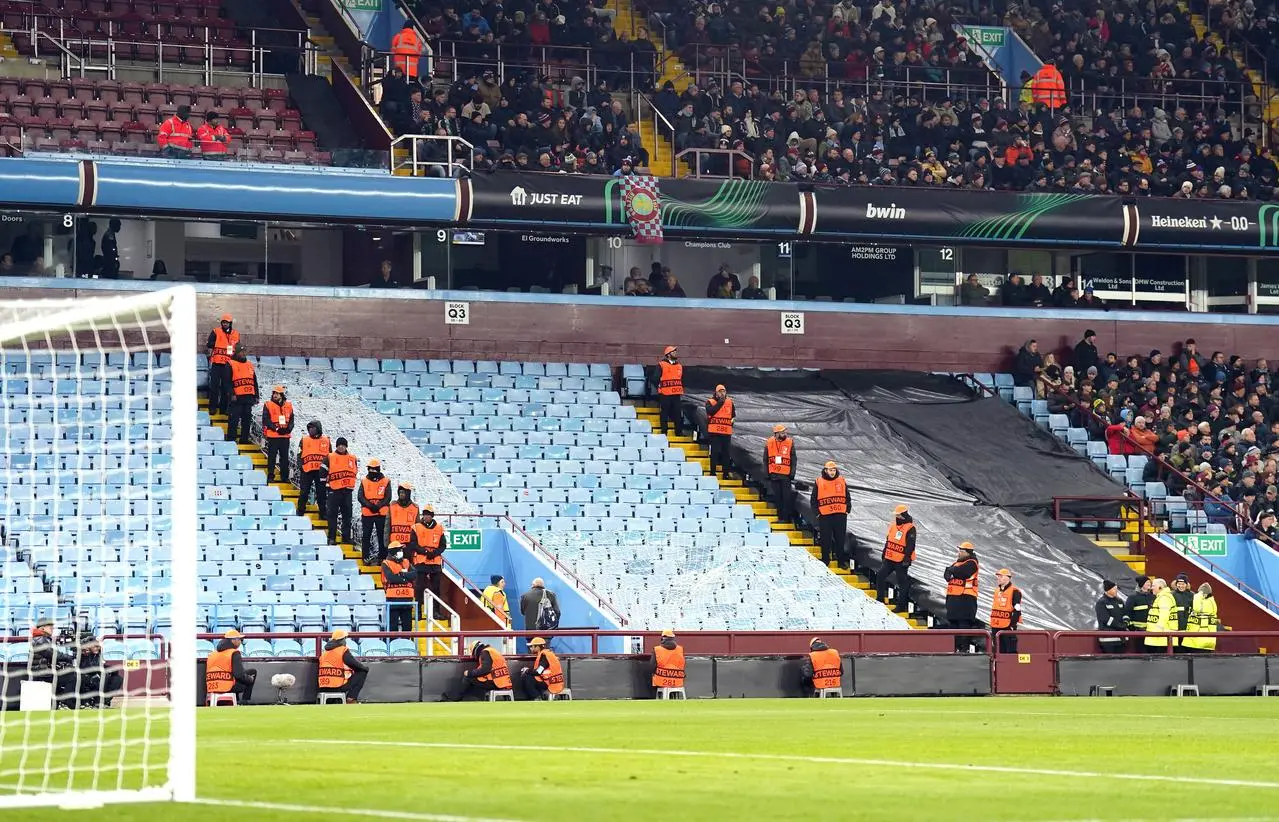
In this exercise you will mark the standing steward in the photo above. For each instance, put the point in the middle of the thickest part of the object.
(403, 515)
(831, 501)
(397, 585)
(427, 544)
(343, 467)
(340, 670)
(670, 391)
(961, 593)
(668, 662)
(1005, 612)
(822, 669)
(313, 462)
(899, 553)
(1203, 620)
(781, 457)
(277, 430)
(375, 504)
(244, 395)
(720, 416)
(545, 675)
(220, 346)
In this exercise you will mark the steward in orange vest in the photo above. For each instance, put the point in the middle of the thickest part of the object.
(1048, 87)
(375, 504)
(823, 668)
(831, 502)
(220, 346)
(244, 395)
(961, 593)
(397, 586)
(313, 459)
(340, 670)
(277, 430)
(175, 134)
(403, 515)
(720, 415)
(545, 675)
(214, 139)
(670, 391)
(1005, 611)
(342, 467)
(899, 553)
(427, 544)
(668, 662)
(780, 459)
(406, 50)
(489, 674)
(224, 671)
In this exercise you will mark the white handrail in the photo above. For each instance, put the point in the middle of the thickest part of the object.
(448, 644)
(455, 165)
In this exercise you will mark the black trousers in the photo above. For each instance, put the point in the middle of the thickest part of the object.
(244, 690)
(219, 388)
(669, 411)
(428, 579)
(465, 686)
(373, 528)
(784, 493)
(530, 687)
(339, 506)
(887, 572)
(241, 420)
(313, 479)
(1006, 639)
(721, 446)
(833, 535)
(355, 684)
(400, 616)
(277, 452)
(1111, 646)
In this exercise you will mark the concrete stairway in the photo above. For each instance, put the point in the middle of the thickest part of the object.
(659, 145)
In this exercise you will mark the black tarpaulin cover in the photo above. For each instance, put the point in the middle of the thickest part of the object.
(853, 418)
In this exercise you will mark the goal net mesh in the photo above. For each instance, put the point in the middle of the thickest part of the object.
(97, 500)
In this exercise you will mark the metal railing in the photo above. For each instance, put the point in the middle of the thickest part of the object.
(643, 107)
(1169, 95)
(406, 153)
(700, 161)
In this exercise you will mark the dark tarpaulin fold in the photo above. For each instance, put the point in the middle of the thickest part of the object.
(1059, 572)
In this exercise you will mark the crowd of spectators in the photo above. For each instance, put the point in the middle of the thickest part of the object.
(1211, 416)
(1015, 292)
(662, 282)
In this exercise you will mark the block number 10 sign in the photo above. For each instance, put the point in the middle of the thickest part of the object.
(792, 322)
(457, 313)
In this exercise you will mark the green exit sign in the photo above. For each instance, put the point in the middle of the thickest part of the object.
(465, 540)
(988, 36)
(1205, 545)
(363, 5)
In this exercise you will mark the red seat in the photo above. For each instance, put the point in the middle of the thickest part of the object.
(148, 150)
(34, 89)
(182, 96)
(252, 97)
(111, 131)
(231, 96)
(206, 97)
(291, 119)
(83, 127)
(282, 140)
(157, 94)
(21, 106)
(121, 112)
(83, 89)
(71, 109)
(108, 91)
(257, 138)
(72, 144)
(272, 156)
(130, 149)
(277, 99)
(96, 110)
(135, 133)
(60, 90)
(146, 114)
(98, 146)
(296, 157)
(9, 87)
(47, 144)
(132, 93)
(265, 118)
(47, 107)
(305, 140)
(60, 128)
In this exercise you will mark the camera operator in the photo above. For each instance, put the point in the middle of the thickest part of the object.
(84, 681)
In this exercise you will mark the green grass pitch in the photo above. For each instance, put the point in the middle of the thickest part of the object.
(1014, 759)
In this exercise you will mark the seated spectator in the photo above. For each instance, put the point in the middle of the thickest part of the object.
(973, 292)
(753, 291)
(670, 286)
(1028, 364)
(1049, 377)
(724, 285)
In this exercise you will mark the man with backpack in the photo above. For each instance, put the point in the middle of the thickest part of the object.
(540, 608)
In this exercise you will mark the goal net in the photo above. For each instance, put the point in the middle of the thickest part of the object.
(97, 517)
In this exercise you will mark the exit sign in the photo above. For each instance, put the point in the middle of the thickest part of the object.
(1205, 545)
(465, 540)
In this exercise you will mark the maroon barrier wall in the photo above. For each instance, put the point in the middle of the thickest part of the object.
(300, 324)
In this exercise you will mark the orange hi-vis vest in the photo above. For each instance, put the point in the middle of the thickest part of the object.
(175, 132)
(670, 383)
(218, 678)
(1048, 87)
(280, 415)
(670, 667)
(333, 670)
(779, 455)
(895, 543)
(828, 671)
(963, 587)
(553, 677)
(242, 378)
(832, 496)
(223, 346)
(406, 50)
(396, 590)
(1001, 610)
(500, 676)
(722, 422)
(341, 471)
(376, 489)
(402, 519)
(428, 539)
(314, 451)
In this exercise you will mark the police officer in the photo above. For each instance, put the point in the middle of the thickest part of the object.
(1110, 617)
(899, 553)
(780, 459)
(670, 391)
(720, 416)
(961, 593)
(1137, 609)
(831, 501)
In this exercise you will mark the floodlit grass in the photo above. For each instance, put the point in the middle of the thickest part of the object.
(1012, 759)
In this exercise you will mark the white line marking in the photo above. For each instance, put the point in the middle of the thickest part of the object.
(826, 760)
(332, 810)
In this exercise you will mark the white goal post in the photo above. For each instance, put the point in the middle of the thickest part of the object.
(98, 466)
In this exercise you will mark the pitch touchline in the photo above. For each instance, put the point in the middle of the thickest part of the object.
(826, 760)
(334, 810)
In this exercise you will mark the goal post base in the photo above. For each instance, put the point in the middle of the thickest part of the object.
(84, 800)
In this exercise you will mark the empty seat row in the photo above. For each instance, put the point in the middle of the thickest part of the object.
(429, 386)
(669, 468)
(424, 428)
(606, 496)
(395, 366)
(535, 453)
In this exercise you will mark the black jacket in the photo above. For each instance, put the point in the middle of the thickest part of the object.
(1110, 616)
(1185, 603)
(1136, 609)
(1085, 358)
(848, 498)
(910, 540)
(348, 658)
(238, 672)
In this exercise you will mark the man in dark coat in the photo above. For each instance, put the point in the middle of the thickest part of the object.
(1110, 617)
(1086, 353)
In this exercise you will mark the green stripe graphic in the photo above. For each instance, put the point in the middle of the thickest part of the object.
(1014, 226)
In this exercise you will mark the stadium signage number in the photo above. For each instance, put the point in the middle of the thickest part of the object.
(465, 540)
(947, 254)
(457, 313)
(792, 322)
(614, 242)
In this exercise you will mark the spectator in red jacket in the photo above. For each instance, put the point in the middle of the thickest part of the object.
(214, 138)
(175, 134)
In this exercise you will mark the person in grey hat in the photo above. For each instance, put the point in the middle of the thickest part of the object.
(1110, 617)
